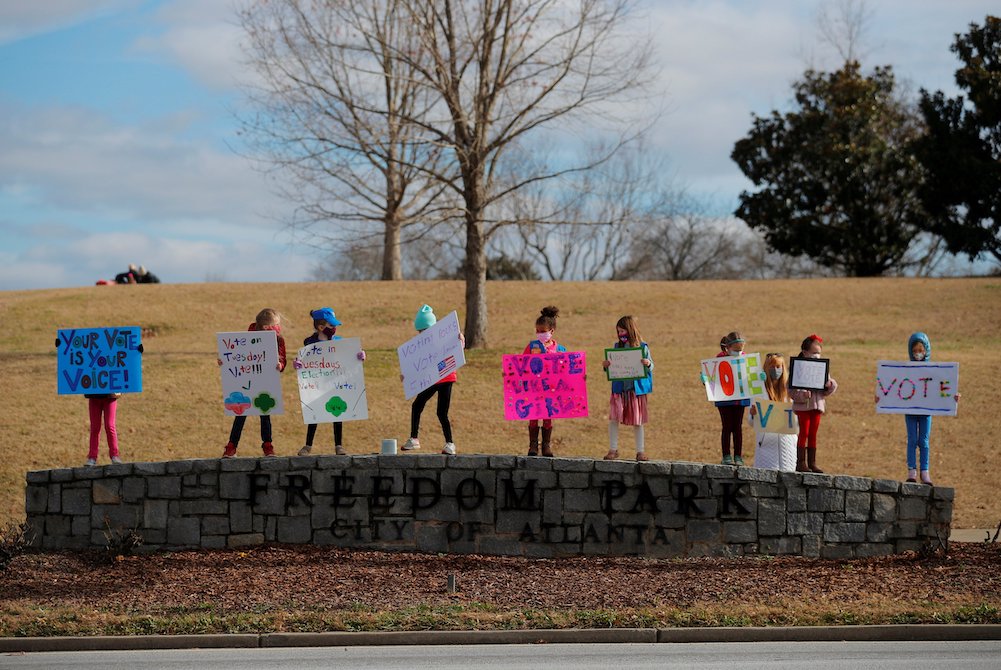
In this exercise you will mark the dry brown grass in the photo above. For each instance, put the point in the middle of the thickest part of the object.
(179, 414)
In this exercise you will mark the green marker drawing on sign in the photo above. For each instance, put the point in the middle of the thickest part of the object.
(336, 405)
(264, 402)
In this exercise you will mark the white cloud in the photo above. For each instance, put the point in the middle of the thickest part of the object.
(21, 19)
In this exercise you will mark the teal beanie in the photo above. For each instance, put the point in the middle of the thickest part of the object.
(425, 318)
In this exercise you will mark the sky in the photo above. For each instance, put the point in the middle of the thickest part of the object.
(119, 120)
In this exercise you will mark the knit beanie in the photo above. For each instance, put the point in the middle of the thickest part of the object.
(425, 318)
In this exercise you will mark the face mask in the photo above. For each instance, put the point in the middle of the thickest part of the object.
(776, 373)
(623, 338)
(544, 336)
(736, 353)
(816, 355)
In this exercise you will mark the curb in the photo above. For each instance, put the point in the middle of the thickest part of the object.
(891, 633)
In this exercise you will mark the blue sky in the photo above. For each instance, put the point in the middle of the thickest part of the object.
(118, 124)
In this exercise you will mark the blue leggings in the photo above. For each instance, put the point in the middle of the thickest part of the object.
(918, 431)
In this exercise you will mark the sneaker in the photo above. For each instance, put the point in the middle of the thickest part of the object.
(116, 459)
(339, 450)
(91, 462)
(410, 444)
(728, 460)
(738, 460)
(449, 449)
(268, 449)
(640, 456)
(305, 450)
(612, 455)
(229, 451)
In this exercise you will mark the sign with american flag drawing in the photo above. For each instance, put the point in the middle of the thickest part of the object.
(431, 355)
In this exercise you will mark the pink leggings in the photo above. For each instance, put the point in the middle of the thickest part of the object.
(809, 423)
(107, 407)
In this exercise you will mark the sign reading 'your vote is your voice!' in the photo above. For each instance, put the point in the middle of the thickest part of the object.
(332, 382)
(251, 382)
(909, 387)
(99, 360)
(733, 377)
(545, 386)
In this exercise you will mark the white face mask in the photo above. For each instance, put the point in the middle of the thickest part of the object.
(816, 355)
(733, 352)
(544, 336)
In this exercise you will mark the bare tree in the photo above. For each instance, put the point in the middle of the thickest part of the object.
(843, 25)
(503, 72)
(336, 108)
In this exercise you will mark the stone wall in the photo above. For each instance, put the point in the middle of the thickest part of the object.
(506, 505)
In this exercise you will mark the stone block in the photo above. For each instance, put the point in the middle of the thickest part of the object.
(582, 500)
(37, 477)
(836, 551)
(771, 517)
(86, 473)
(846, 483)
(740, 532)
(213, 541)
(183, 532)
(241, 518)
(149, 469)
(55, 503)
(117, 470)
(912, 509)
(616, 467)
(234, 486)
(764, 490)
(943, 493)
(811, 546)
(503, 462)
(163, 487)
(904, 530)
(155, 514)
(76, 501)
(884, 507)
(274, 464)
(796, 500)
(758, 475)
(693, 470)
(117, 517)
(885, 486)
(58, 525)
(438, 461)
(209, 479)
(302, 462)
(857, 505)
(61, 475)
(915, 490)
(80, 526)
(199, 492)
(574, 465)
(202, 507)
(294, 530)
(823, 481)
(515, 521)
(720, 471)
(869, 549)
(471, 462)
(498, 546)
(133, 489)
(36, 499)
(878, 531)
(552, 506)
(805, 523)
(180, 467)
(844, 532)
(430, 537)
(107, 492)
(238, 465)
(778, 546)
(703, 530)
(241, 540)
(940, 512)
(574, 480)
(825, 500)
(655, 469)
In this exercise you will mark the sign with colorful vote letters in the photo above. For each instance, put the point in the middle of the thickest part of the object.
(431, 355)
(99, 360)
(545, 386)
(251, 382)
(332, 382)
(774, 416)
(733, 377)
(909, 387)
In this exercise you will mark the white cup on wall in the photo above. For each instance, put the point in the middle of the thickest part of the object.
(389, 446)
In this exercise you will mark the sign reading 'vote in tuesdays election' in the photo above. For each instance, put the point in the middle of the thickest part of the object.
(431, 355)
(332, 381)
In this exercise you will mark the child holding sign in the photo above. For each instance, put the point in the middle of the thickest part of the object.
(731, 412)
(774, 451)
(809, 407)
(325, 324)
(443, 387)
(267, 319)
(544, 343)
(628, 404)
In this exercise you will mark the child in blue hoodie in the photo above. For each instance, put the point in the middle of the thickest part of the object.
(919, 425)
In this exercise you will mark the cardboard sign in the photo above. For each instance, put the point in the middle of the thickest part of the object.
(545, 386)
(430, 356)
(810, 374)
(626, 364)
(332, 382)
(774, 416)
(908, 387)
(99, 360)
(251, 383)
(733, 377)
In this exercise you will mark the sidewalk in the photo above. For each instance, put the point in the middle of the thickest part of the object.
(972, 534)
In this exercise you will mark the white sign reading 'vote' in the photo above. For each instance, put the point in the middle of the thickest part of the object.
(908, 387)
(332, 382)
(430, 356)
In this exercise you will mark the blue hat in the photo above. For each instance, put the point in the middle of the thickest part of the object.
(425, 318)
(325, 314)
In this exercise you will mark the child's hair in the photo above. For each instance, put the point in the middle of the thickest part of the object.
(628, 324)
(808, 342)
(548, 317)
(268, 317)
(732, 337)
(777, 389)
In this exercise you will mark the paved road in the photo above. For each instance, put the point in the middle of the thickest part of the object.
(977, 655)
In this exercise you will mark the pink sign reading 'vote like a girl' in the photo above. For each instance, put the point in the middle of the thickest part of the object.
(545, 386)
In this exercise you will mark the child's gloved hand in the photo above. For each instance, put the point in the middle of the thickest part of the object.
(362, 356)
(703, 379)
(57, 343)
(297, 364)
(139, 348)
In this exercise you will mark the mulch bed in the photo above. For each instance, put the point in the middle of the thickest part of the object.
(306, 577)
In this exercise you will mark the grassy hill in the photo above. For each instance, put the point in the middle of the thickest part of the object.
(179, 414)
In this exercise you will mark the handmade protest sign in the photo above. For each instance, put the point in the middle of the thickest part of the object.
(774, 416)
(99, 360)
(431, 355)
(908, 387)
(625, 363)
(545, 386)
(809, 373)
(251, 383)
(733, 377)
(332, 382)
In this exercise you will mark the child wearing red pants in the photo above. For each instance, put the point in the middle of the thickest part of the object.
(809, 407)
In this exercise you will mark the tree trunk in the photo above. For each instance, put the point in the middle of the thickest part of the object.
(476, 283)
(392, 264)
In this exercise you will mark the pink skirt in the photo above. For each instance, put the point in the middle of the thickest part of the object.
(628, 409)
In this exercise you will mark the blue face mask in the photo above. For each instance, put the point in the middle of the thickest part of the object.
(623, 338)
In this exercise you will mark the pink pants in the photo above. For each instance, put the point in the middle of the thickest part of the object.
(809, 424)
(108, 407)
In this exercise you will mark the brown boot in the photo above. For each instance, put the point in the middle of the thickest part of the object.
(801, 459)
(533, 440)
(811, 456)
(547, 434)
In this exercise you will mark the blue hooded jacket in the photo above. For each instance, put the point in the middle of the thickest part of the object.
(923, 339)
